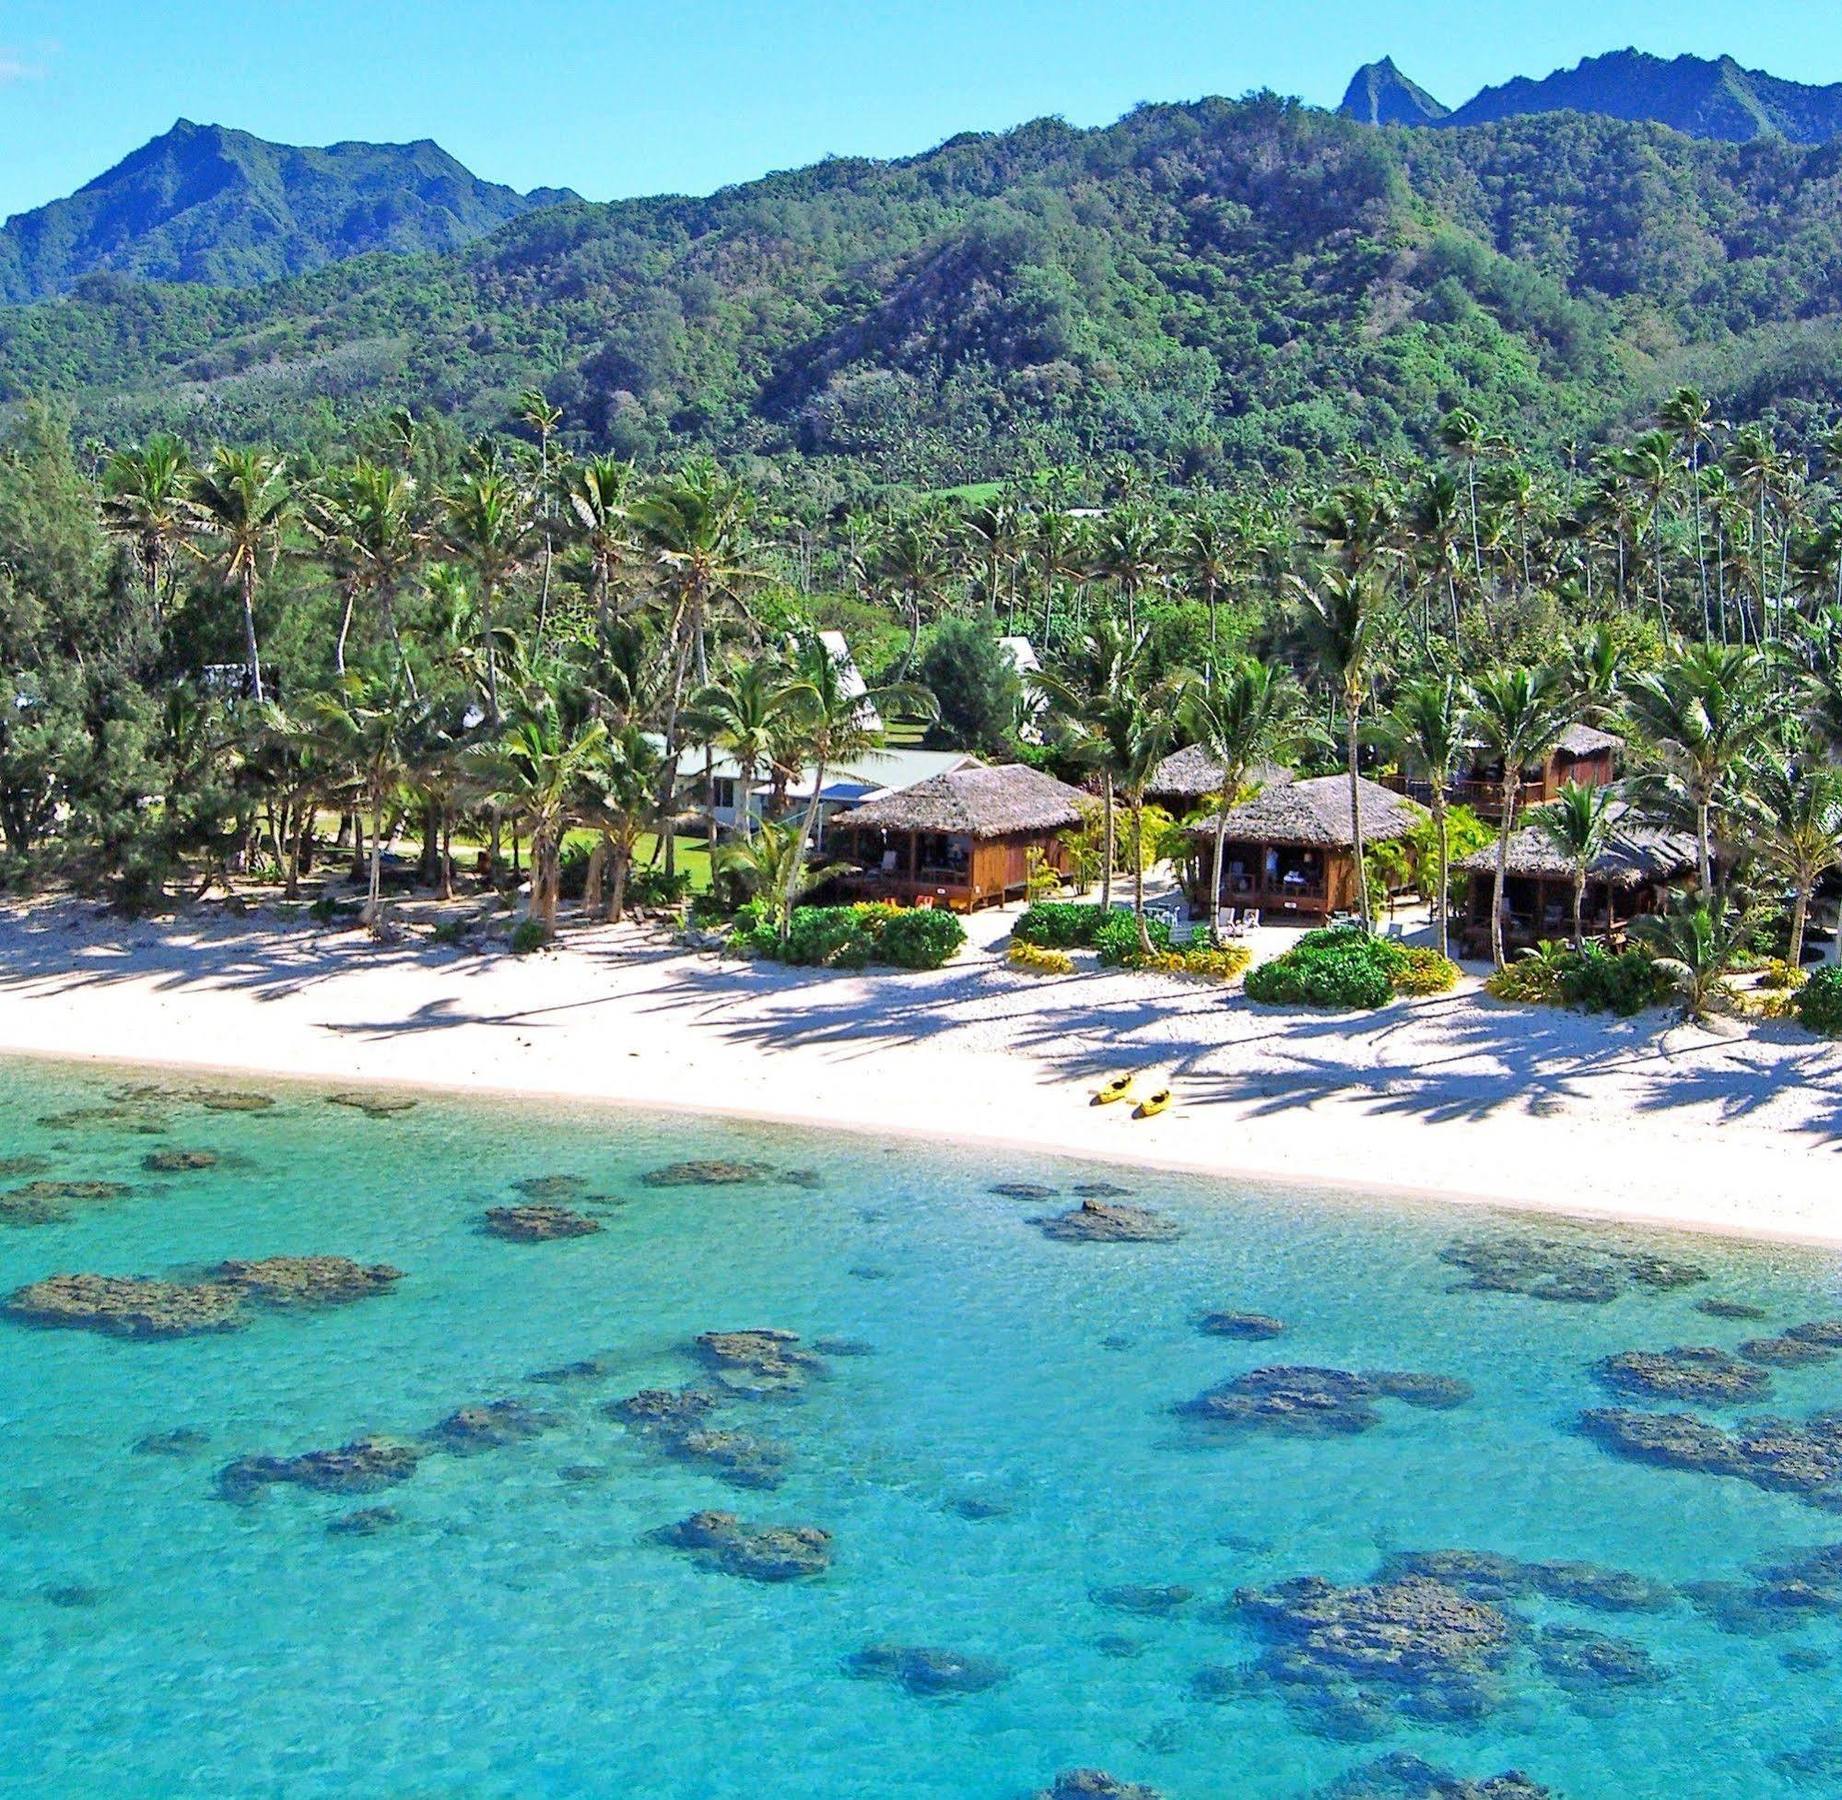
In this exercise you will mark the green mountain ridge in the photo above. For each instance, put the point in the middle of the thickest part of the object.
(1210, 286)
(1700, 96)
(206, 204)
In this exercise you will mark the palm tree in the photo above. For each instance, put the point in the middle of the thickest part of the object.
(620, 782)
(598, 498)
(1140, 725)
(147, 503)
(1205, 552)
(993, 535)
(830, 725)
(1237, 719)
(1075, 695)
(1650, 465)
(489, 524)
(1131, 553)
(1518, 715)
(1428, 731)
(1578, 823)
(1463, 440)
(368, 724)
(743, 711)
(244, 501)
(1796, 813)
(1687, 417)
(364, 520)
(543, 418)
(1345, 620)
(1695, 947)
(773, 866)
(1700, 714)
(537, 771)
(693, 531)
(909, 565)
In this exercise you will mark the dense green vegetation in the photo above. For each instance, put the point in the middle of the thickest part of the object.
(203, 204)
(1201, 288)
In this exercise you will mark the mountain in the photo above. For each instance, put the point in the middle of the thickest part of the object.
(1379, 94)
(1690, 94)
(206, 204)
(1215, 285)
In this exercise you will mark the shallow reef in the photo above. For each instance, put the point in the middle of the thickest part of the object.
(307, 1281)
(769, 1553)
(538, 1223)
(13, 1167)
(1301, 1401)
(1023, 1190)
(1351, 1660)
(1434, 1637)
(706, 1172)
(364, 1466)
(367, 1521)
(1694, 1372)
(1779, 1596)
(551, 1187)
(374, 1103)
(180, 1441)
(1731, 1309)
(1786, 1352)
(1108, 1222)
(1580, 1270)
(1783, 1455)
(179, 1162)
(1486, 1575)
(758, 1363)
(588, 1368)
(491, 1425)
(1251, 1327)
(49, 1201)
(926, 1671)
(1145, 1601)
(676, 1423)
(138, 1306)
(1401, 1776)
(131, 1306)
(1586, 1663)
(1095, 1784)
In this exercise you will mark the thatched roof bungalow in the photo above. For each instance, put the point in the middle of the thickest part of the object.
(1187, 777)
(1632, 876)
(1583, 754)
(1290, 850)
(965, 838)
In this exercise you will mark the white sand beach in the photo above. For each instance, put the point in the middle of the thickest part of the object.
(1457, 1096)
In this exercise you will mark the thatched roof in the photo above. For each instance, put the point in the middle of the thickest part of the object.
(1587, 740)
(1316, 814)
(1636, 855)
(1193, 774)
(980, 803)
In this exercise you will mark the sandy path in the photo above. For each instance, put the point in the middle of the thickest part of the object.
(1457, 1096)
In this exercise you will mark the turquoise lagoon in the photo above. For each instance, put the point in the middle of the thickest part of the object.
(1006, 1448)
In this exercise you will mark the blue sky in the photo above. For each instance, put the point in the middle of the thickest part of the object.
(619, 97)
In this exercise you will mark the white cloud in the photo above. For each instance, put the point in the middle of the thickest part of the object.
(17, 65)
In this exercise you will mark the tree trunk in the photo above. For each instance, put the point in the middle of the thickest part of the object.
(1704, 854)
(249, 632)
(1136, 802)
(1352, 706)
(617, 892)
(1800, 908)
(1442, 832)
(1502, 871)
(1215, 867)
(486, 643)
(375, 897)
(1106, 842)
(345, 631)
(1579, 908)
(798, 866)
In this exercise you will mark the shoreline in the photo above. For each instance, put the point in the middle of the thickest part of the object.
(1456, 1101)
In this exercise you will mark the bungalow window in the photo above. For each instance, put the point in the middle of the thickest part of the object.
(723, 793)
(940, 853)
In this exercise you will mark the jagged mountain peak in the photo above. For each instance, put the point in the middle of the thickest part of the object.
(1379, 94)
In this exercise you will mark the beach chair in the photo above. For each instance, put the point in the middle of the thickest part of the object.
(1250, 920)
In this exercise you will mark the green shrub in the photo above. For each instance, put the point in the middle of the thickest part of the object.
(1425, 971)
(1819, 1001)
(921, 937)
(572, 870)
(653, 887)
(1600, 980)
(1116, 938)
(529, 935)
(852, 937)
(1339, 968)
(1594, 979)
(1058, 924)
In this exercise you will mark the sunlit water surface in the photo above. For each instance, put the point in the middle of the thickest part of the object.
(1008, 1447)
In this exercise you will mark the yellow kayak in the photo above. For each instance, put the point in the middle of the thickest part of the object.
(1152, 1104)
(1116, 1089)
